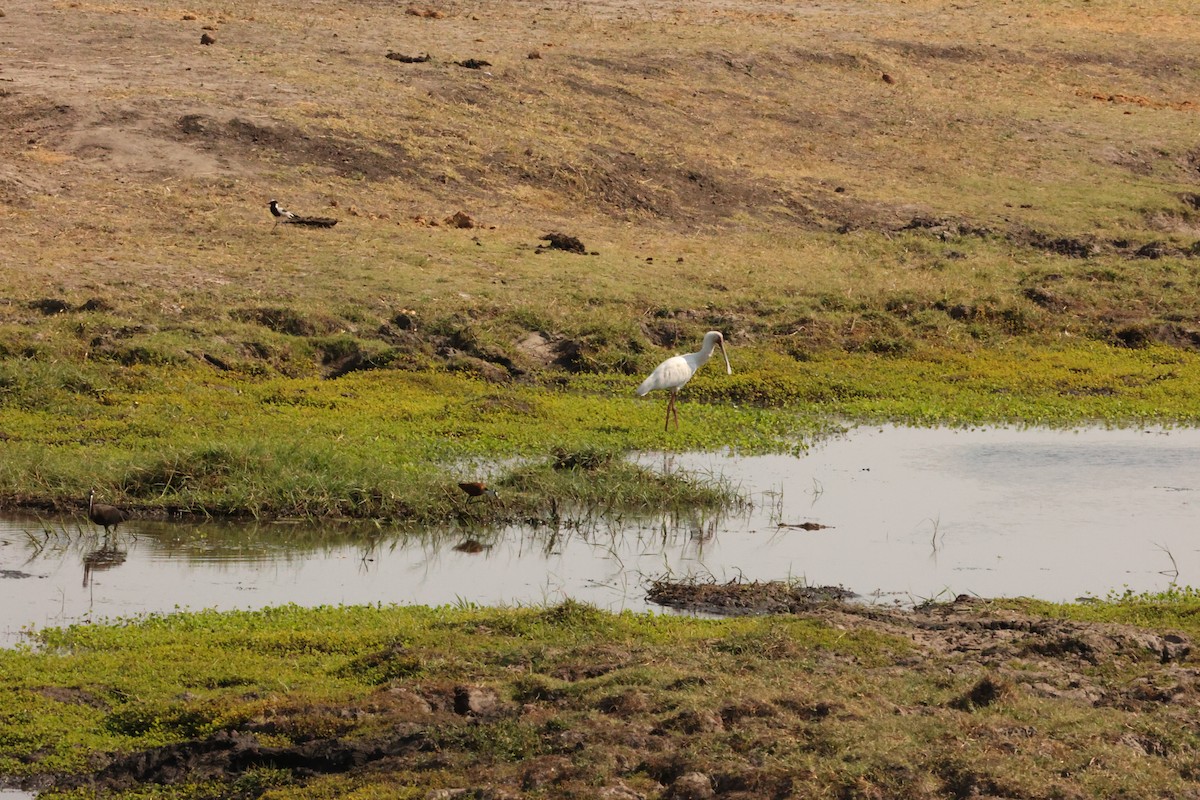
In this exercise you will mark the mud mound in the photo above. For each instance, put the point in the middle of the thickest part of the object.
(739, 598)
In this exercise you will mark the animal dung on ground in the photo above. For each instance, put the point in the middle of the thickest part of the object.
(206, 39)
(403, 59)
(561, 241)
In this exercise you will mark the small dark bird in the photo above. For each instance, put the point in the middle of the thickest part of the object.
(283, 215)
(206, 39)
(104, 515)
(477, 489)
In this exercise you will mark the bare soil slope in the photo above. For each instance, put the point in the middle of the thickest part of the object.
(833, 116)
(846, 174)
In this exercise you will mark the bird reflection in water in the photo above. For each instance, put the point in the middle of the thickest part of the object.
(107, 556)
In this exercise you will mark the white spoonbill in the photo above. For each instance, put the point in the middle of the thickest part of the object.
(673, 373)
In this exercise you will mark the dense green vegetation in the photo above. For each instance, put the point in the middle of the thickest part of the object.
(568, 701)
(394, 443)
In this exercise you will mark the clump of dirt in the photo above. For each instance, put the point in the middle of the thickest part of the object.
(50, 305)
(966, 623)
(562, 241)
(407, 59)
(1140, 335)
(738, 597)
(945, 229)
(987, 691)
(288, 321)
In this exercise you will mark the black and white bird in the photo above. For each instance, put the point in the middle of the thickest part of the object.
(281, 214)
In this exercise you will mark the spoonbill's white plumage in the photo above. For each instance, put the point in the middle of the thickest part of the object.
(673, 373)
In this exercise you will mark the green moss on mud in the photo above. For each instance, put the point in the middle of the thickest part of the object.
(569, 699)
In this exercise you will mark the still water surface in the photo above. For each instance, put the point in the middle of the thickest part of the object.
(912, 514)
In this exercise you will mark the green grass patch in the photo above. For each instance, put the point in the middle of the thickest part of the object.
(394, 444)
(573, 699)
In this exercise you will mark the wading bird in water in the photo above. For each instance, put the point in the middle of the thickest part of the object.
(477, 489)
(673, 373)
(105, 515)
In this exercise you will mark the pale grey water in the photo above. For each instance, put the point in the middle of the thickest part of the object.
(914, 514)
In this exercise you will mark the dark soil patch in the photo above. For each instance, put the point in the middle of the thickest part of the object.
(352, 158)
(228, 754)
(288, 321)
(28, 118)
(73, 695)
(1140, 335)
(660, 187)
(1047, 299)
(945, 229)
(987, 691)
(737, 598)
(50, 306)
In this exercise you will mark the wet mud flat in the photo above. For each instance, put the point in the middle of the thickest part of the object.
(939, 691)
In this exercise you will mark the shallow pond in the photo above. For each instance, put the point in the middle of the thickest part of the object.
(911, 514)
